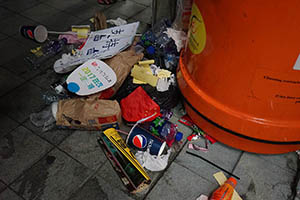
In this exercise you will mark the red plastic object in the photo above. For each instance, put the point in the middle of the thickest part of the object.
(138, 105)
(225, 191)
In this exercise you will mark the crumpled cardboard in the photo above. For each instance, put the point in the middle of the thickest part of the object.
(89, 114)
(121, 64)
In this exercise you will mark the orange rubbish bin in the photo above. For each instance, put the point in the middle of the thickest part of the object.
(239, 73)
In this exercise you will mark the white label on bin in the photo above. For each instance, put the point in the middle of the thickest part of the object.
(297, 64)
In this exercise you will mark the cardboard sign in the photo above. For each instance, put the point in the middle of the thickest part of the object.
(100, 44)
(91, 77)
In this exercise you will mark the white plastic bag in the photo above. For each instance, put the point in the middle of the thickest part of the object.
(153, 162)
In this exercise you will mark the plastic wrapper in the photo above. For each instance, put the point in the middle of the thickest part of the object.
(183, 13)
(165, 100)
(138, 105)
(153, 162)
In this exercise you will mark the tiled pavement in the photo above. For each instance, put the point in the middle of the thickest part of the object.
(67, 164)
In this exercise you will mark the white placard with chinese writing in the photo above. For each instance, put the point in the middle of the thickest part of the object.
(91, 77)
(101, 45)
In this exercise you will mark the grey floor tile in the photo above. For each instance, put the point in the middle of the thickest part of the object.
(19, 5)
(143, 27)
(83, 10)
(144, 16)
(112, 190)
(97, 5)
(54, 177)
(4, 13)
(107, 173)
(13, 24)
(7, 124)
(54, 136)
(91, 190)
(2, 187)
(180, 183)
(8, 81)
(62, 5)
(30, 44)
(165, 9)
(111, 14)
(143, 2)
(61, 25)
(122, 7)
(10, 50)
(40, 13)
(47, 77)
(262, 180)
(23, 101)
(3, 36)
(219, 154)
(9, 195)
(18, 66)
(19, 150)
(286, 161)
(83, 146)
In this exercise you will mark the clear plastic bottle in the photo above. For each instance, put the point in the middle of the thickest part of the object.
(45, 52)
(166, 130)
(225, 191)
(46, 118)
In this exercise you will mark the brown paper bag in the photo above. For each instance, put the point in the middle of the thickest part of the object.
(90, 114)
(121, 64)
(99, 21)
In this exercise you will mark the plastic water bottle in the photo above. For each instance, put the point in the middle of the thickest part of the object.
(166, 130)
(225, 191)
(46, 118)
(45, 52)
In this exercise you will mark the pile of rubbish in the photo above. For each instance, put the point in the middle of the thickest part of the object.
(112, 75)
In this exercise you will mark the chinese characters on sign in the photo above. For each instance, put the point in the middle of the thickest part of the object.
(100, 44)
(90, 76)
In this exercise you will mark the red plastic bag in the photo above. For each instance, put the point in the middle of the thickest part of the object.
(139, 105)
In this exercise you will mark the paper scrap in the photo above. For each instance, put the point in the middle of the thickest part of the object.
(197, 148)
(202, 197)
(82, 33)
(81, 30)
(136, 81)
(221, 178)
(164, 73)
(162, 84)
(144, 74)
(117, 22)
(179, 37)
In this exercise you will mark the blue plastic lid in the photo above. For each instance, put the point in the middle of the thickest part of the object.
(151, 50)
(73, 87)
(178, 136)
